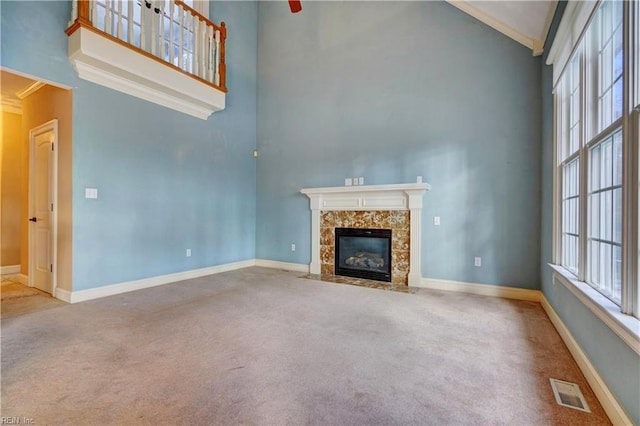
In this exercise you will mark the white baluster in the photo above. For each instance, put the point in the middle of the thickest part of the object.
(172, 6)
(217, 63)
(196, 45)
(143, 24)
(161, 32)
(120, 19)
(107, 17)
(94, 13)
(154, 30)
(202, 45)
(180, 39)
(210, 45)
(130, 36)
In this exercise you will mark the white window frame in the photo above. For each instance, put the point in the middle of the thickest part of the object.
(624, 320)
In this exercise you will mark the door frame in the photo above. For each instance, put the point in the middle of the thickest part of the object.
(53, 185)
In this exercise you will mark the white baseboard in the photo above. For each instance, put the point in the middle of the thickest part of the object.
(64, 295)
(297, 267)
(608, 401)
(482, 289)
(112, 289)
(11, 269)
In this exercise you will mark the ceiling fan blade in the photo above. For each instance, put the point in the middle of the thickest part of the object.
(295, 5)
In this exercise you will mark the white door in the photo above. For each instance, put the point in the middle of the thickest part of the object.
(41, 220)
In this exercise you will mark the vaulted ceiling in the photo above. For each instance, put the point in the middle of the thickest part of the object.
(525, 21)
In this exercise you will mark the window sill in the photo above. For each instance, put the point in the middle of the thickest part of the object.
(625, 326)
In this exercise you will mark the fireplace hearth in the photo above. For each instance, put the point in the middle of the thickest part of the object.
(363, 253)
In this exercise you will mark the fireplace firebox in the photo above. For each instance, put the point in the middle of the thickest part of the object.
(363, 253)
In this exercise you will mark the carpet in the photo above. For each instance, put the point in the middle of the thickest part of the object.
(266, 347)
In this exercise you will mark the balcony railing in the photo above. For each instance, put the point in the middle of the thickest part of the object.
(169, 31)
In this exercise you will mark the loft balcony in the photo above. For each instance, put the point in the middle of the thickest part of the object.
(162, 51)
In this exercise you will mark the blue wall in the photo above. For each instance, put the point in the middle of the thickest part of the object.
(616, 363)
(166, 181)
(389, 91)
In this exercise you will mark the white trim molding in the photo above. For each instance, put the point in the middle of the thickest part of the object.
(535, 44)
(10, 269)
(482, 289)
(32, 88)
(105, 62)
(406, 196)
(609, 403)
(12, 106)
(274, 264)
(125, 287)
(624, 326)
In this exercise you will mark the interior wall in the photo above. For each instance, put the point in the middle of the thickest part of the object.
(44, 105)
(614, 360)
(12, 194)
(166, 181)
(391, 91)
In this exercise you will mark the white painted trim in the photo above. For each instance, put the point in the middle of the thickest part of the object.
(624, 326)
(32, 88)
(49, 126)
(12, 106)
(10, 269)
(62, 294)
(609, 403)
(481, 289)
(297, 267)
(105, 62)
(498, 25)
(351, 190)
(125, 287)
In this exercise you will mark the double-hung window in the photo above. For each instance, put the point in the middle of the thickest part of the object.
(596, 178)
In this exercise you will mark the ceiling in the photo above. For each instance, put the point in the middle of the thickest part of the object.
(525, 21)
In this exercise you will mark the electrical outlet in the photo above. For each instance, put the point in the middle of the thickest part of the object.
(355, 181)
(419, 179)
(436, 220)
(188, 252)
(360, 181)
(478, 261)
(293, 247)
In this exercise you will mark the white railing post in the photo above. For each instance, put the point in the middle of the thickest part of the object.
(161, 32)
(74, 12)
(217, 61)
(210, 47)
(180, 39)
(172, 6)
(196, 45)
(130, 36)
(120, 19)
(94, 13)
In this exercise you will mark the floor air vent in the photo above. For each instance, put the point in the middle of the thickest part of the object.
(569, 395)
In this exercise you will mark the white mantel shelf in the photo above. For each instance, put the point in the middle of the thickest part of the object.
(370, 197)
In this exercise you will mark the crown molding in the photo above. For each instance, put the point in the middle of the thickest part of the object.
(12, 106)
(532, 43)
(32, 88)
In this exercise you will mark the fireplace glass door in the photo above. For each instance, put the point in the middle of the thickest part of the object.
(363, 253)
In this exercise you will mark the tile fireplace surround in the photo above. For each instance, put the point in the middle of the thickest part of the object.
(397, 207)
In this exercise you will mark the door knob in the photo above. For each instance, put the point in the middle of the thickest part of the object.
(33, 219)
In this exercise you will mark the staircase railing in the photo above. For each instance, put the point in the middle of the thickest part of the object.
(166, 30)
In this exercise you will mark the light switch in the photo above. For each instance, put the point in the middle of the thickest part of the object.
(360, 181)
(347, 182)
(91, 193)
(436, 220)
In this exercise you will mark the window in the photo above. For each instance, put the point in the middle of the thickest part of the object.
(594, 132)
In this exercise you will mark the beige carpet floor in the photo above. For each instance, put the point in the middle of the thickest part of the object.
(266, 347)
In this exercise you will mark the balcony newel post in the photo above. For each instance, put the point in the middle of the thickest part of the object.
(84, 11)
(223, 66)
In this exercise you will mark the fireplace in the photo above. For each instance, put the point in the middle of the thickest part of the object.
(363, 253)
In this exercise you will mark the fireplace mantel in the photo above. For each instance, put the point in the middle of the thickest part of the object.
(372, 198)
